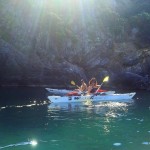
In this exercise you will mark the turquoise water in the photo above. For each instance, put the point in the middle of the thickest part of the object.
(26, 116)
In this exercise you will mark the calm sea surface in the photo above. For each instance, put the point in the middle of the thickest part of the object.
(28, 122)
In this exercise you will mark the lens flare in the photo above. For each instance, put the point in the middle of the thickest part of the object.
(34, 143)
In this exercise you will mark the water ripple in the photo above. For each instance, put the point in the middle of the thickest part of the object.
(33, 143)
(146, 143)
(27, 105)
(117, 144)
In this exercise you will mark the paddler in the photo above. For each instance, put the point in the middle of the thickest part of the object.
(93, 86)
(83, 87)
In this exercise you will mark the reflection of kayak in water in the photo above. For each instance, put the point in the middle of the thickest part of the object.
(94, 98)
(101, 108)
(73, 93)
(71, 107)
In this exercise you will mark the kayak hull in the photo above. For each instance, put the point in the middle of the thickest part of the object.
(94, 98)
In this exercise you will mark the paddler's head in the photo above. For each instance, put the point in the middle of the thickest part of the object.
(93, 82)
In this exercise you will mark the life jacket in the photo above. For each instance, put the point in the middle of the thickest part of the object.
(93, 90)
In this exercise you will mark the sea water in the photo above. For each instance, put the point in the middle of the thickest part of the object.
(28, 121)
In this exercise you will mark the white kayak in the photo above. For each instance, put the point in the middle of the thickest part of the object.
(58, 91)
(94, 98)
(64, 91)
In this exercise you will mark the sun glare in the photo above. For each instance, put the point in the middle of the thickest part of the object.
(34, 143)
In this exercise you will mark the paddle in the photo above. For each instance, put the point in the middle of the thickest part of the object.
(106, 79)
(81, 92)
(73, 83)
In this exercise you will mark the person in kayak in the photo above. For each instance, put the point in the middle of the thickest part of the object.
(92, 86)
(80, 89)
(83, 87)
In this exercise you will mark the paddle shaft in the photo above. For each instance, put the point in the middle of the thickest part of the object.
(99, 88)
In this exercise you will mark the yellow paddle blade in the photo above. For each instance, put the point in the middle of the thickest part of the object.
(106, 79)
(73, 83)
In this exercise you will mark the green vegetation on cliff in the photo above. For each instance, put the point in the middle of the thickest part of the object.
(49, 24)
(38, 37)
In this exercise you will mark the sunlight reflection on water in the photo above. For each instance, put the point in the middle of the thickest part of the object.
(108, 109)
(33, 143)
(27, 105)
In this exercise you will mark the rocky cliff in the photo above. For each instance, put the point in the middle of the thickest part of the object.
(51, 43)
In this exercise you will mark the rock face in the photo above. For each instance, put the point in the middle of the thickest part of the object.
(126, 70)
(18, 69)
(43, 49)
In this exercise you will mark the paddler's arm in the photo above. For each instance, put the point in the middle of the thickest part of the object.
(98, 86)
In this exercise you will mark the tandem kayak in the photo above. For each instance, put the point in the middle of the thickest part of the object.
(94, 98)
